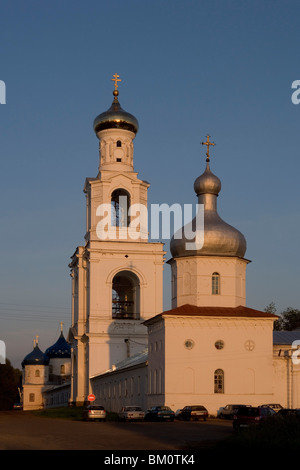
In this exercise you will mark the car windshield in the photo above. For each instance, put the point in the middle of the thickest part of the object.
(95, 407)
(198, 408)
(133, 408)
(164, 408)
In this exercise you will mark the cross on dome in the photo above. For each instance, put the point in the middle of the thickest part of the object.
(208, 143)
(116, 79)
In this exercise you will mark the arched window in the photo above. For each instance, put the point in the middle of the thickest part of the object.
(119, 143)
(125, 296)
(62, 369)
(215, 284)
(219, 381)
(120, 203)
(37, 373)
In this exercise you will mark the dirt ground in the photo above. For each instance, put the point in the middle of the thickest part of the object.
(21, 430)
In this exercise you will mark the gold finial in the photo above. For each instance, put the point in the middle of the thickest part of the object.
(207, 143)
(61, 326)
(116, 79)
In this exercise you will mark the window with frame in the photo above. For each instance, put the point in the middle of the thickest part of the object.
(219, 381)
(215, 283)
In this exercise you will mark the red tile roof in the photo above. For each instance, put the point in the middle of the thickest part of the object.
(193, 310)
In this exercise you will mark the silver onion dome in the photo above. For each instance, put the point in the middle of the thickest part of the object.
(220, 238)
(116, 118)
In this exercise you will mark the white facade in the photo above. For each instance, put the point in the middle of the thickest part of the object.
(35, 378)
(210, 349)
(209, 359)
(192, 278)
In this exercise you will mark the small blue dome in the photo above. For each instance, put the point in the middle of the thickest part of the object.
(60, 349)
(35, 358)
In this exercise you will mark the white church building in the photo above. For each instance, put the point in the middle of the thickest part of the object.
(210, 348)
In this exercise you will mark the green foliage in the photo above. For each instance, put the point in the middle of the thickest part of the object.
(69, 412)
(289, 319)
(73, 413)
(10, 380)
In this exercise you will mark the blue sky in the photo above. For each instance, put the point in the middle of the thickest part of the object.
(188, 69)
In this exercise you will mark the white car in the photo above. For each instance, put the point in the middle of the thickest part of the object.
(131, 413)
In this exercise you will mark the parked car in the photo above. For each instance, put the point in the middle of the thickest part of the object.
(94, 412)
(251, 415)
(193, 412)
(285, 412)
(160, 413)
(275, 406)
(228, 411)
(131, 413)
(17, 406)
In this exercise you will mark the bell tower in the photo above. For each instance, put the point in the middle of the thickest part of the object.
(117, 276)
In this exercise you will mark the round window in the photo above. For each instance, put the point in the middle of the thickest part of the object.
(189, 343)
(219, 344)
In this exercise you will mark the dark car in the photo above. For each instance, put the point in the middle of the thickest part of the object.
(193, 412)
(160, 413)
(250, 415)
(285, 412)
(275, 406)
(228, 411)
(18, 406)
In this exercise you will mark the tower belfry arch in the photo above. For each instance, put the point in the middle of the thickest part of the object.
(107, 317)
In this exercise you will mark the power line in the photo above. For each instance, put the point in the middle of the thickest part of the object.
(35, 306)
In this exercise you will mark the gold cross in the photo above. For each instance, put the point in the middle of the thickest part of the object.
(207, 143)
(116, 79)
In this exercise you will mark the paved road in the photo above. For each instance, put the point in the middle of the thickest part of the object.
(23, 431)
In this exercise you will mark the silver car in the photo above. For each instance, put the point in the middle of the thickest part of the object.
(94, 412)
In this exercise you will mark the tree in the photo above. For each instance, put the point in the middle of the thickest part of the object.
(271, 308)
(289, 319)
(10, 380)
